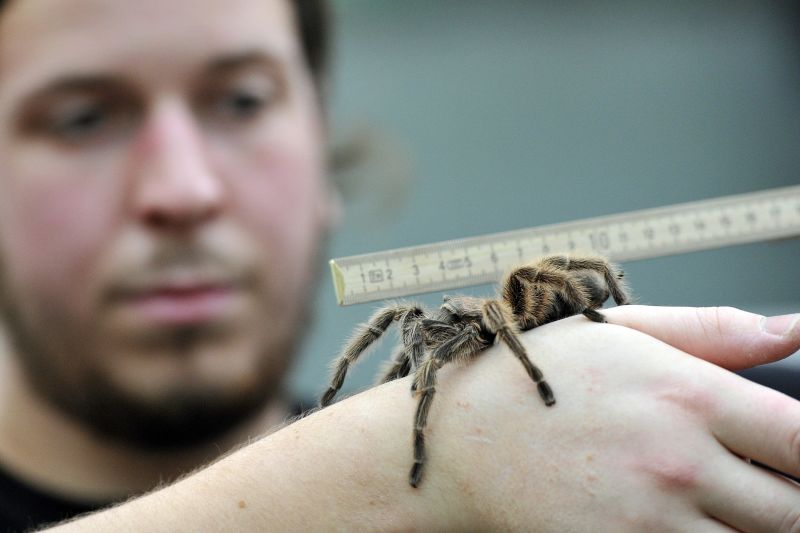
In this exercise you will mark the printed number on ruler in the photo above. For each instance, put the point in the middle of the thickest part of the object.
(680, 228)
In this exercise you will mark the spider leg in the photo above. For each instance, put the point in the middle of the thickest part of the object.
(363, 338)
(465, 345)
(572, 292)
(413, 349)
(399, 367)
(434, 332)
(413, 336)
(529, 303)
(612, 275)
(497, 320)
(437, 331)
(594, 315)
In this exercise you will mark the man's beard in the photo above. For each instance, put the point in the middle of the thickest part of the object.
(186, 417)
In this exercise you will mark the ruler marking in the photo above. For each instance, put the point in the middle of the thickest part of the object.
(642, 234)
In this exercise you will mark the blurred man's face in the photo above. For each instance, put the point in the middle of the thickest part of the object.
(162, 200)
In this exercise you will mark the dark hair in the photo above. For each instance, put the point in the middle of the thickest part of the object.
(313, 26)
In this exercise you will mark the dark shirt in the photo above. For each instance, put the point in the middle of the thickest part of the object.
(23, 507)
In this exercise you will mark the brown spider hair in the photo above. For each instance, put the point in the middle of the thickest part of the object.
(314, 28)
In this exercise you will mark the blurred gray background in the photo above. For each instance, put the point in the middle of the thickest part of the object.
(485, 116)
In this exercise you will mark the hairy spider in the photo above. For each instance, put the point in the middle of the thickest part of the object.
(548, 289)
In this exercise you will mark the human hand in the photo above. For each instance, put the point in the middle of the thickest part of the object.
(726, 336)
(643, 437)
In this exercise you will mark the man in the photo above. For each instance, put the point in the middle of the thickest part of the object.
(162, 204)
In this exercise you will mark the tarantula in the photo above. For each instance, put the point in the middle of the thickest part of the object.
(548, 289)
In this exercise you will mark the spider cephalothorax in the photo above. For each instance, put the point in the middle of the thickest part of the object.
(533, 294)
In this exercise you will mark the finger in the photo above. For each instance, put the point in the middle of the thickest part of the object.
(725, 336)
(756, 422)
(749, 498)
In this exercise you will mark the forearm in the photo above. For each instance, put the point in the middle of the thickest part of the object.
(493, 447)
(342, 468)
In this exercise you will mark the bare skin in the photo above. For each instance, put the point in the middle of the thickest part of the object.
(644, 438)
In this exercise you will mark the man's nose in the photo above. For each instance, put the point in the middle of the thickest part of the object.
(174, 185)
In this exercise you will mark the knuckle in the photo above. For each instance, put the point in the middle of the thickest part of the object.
(688, 396)
(716, 321)
(674, 474)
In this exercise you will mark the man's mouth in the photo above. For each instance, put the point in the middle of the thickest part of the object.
(181, 303)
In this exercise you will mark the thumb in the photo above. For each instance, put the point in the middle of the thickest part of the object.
(726, 336)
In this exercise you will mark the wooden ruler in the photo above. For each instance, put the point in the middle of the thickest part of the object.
(674, 229)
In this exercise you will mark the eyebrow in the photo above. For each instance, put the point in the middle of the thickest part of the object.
(77, 84)
(102, 82)
(244, 59)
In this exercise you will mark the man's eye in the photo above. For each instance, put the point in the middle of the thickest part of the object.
(91, 122)
(239, 100)
(80, 123)
(241, 104)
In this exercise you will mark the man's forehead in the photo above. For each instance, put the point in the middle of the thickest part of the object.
(42, 40)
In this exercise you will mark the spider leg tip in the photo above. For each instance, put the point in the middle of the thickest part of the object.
(415, 475)
(546, 393)
(594, 315)
(327, 397)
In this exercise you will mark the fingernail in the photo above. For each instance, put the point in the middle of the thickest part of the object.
(783, 325)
